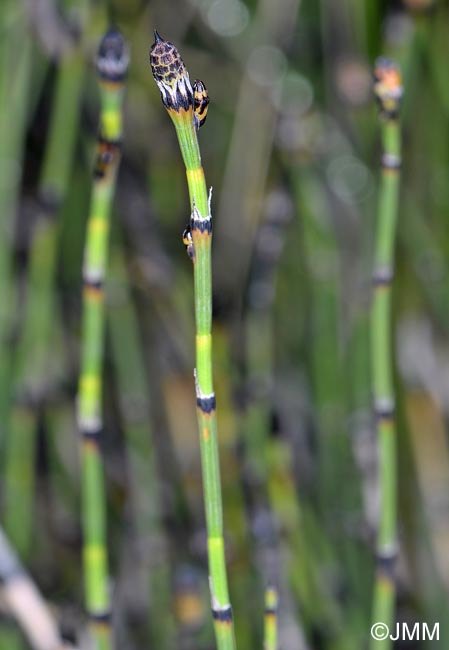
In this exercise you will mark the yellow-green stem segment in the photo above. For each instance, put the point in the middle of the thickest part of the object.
(271, 619)
(177, 96)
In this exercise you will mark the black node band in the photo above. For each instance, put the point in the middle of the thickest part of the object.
(104, 618)
(178, 101)
(113, 144)
(391, 162)
(383, 277)
(391, 114)
(93, 284)
(222, 615)
(385, 564)
(201, 225)
(206, 404)
(92, 435)
(271, 611)
(107, 156)
(384, 412)
(111, 76)
(49, 202)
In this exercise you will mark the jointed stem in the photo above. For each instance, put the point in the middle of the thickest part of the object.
(177, 96)
(389, 92)
(111, 64)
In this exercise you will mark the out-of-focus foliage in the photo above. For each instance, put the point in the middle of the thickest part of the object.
(291, 148)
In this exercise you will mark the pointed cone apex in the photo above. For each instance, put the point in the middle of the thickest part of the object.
(170, 75)
(157, 37)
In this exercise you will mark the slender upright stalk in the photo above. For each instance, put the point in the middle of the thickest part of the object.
(112, 63)
(388, 89)
(177, 95)
(271, 619)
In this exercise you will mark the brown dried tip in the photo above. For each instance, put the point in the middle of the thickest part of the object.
(388, 86)
(113, 56)
(170, 74)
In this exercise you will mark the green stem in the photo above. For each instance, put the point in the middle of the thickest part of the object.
(111, 64)
(382, 368)
(177, 96)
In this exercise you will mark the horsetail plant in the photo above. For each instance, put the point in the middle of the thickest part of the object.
(112, 63)
(388, 90)
(187, 108)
